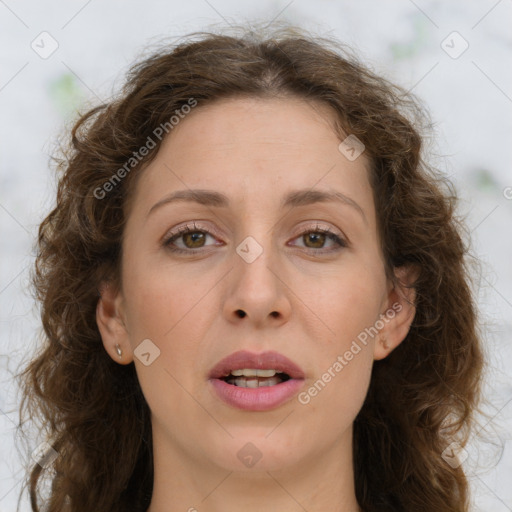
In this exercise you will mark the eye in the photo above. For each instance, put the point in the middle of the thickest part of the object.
(191, 237)
(316, 237)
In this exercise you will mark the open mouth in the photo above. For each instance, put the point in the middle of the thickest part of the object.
(255, 378)
(255, 382)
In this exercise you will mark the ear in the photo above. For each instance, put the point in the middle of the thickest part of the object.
(111, 324)
(396, 319)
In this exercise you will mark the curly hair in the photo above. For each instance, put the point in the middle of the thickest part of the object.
(421, 398)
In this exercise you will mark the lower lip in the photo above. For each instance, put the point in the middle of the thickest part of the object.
(256, 399)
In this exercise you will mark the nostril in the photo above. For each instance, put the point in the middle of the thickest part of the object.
(240, 313)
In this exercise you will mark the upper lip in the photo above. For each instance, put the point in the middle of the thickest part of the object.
(264, 360)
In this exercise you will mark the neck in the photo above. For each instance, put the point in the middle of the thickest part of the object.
(323, 482)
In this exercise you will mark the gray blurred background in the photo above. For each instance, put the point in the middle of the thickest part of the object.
(59, 56)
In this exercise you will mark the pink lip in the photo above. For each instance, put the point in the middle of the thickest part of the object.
(256, 399)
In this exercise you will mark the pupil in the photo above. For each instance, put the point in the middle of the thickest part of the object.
(319, 238)
(195, 237)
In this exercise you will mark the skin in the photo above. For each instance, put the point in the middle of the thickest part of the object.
(305, 298)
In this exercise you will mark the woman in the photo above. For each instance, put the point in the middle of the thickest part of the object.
(254, 293)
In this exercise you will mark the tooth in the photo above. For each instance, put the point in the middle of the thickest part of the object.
(249, 372)
(269, 382)
(244, 382)
(265, 373)
(252, 383)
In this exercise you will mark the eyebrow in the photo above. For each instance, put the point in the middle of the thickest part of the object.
(293, 199)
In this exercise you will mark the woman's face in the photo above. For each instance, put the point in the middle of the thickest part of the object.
(305, 269)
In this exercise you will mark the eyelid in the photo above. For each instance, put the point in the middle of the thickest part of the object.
(334, 235)
(317, 226)
(187, 227)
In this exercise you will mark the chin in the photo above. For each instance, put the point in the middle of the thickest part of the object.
(255, 450)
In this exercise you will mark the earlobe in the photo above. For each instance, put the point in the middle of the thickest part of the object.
(399, 315)
(111, 324)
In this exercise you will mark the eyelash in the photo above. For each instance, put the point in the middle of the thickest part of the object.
(196, 229)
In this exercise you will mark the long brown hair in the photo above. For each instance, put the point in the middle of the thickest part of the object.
(421, 397)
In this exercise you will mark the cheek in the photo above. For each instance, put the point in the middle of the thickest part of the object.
(174, 322)
(161, 300)
(348, 302)
(339, 385)
(349, 307)
(334, 399)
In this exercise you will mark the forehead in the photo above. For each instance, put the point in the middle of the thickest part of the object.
(254, 146)
(240, 119)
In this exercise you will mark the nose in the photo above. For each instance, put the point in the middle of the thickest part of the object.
(258, 292)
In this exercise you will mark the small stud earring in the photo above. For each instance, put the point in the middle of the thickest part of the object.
(118, 350)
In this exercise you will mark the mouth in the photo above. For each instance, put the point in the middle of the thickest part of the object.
(254, 378)
(256, 382)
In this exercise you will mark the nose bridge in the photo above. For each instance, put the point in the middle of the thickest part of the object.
(254, 264)
(256, 288)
